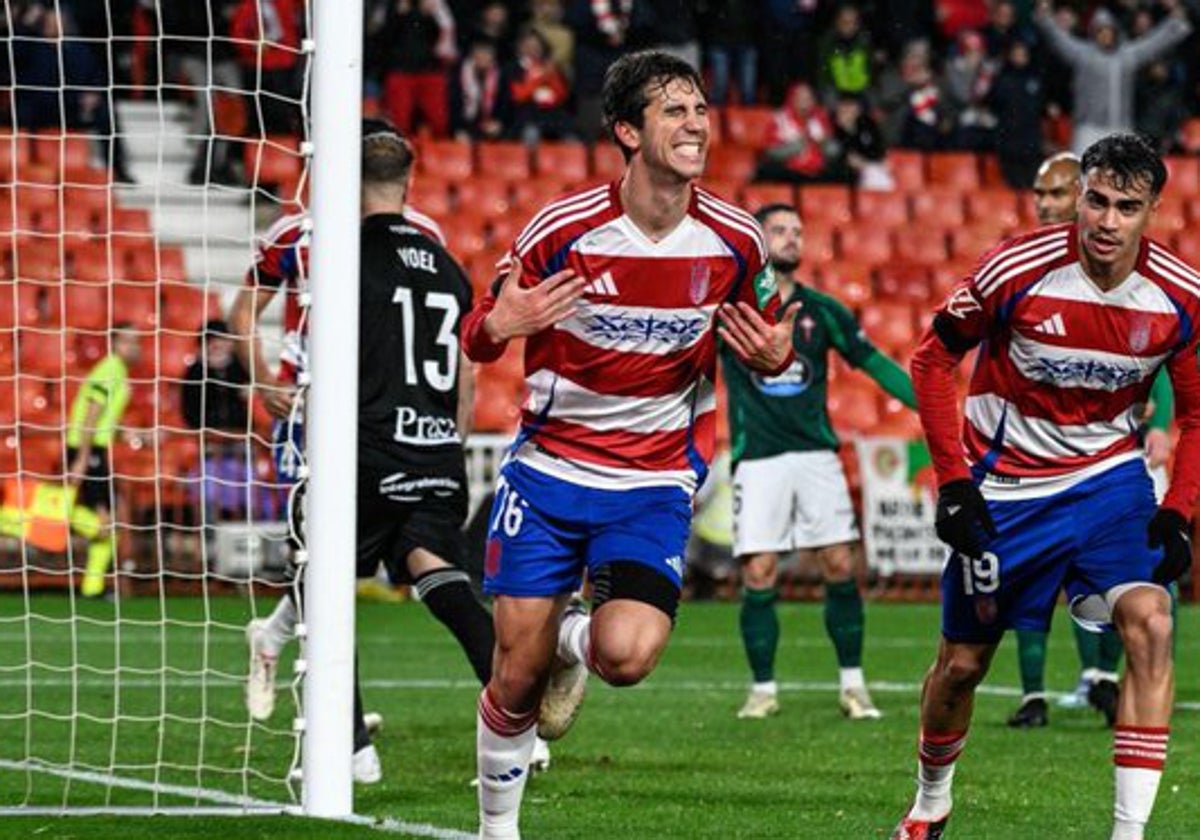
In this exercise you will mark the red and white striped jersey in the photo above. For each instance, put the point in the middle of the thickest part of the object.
(621, 394)
(1064, 368)
(281, 262)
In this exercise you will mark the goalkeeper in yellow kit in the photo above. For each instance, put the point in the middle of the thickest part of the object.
(95, 413)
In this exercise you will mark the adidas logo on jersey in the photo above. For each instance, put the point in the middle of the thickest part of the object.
(602, 286)
(1052, 326)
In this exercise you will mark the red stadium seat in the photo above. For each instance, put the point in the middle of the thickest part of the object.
(971, 243)
(1189, 134)
(854, 405)
(755, 196)
(903, 282)
(1171, 217)
(958, 170)
(508, 160)
(466, 235)
(275, 161)
(608, 163)
(881, 209)
(62, 153)
(29, 302)
(15, 155)
(908, 168)
(567, 162)
(849, 282)
(431, 195)
(487, 195)
(449, 160)
(38, 258)
(889, 324)
(89, 261)
(1187, 246)
(503, 230)
(42, 353)
(731, 163)
(991, 176)
(135, 304)
(1183, 175)
(532, 194)
(727, 189)
(862, 243)
(86, 307)
(820, 243)
(747, 125)
(833, 204)
(999, 208)
(939, 208)
(131, 220)
(921, 245)
(176, 353)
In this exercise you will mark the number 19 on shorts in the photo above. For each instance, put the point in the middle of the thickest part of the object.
(981, 575)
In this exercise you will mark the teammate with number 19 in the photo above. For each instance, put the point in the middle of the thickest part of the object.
(1046, 489)
(617, 290)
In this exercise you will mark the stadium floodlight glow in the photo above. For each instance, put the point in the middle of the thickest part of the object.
(133, 703)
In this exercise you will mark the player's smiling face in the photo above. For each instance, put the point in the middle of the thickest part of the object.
(1112, 220)
(674, 133)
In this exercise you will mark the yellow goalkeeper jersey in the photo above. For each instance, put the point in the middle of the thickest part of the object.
(107, 384)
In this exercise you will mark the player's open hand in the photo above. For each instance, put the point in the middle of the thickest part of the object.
(762, 346)
(520, 312)
(1157, 447)
(277, 398)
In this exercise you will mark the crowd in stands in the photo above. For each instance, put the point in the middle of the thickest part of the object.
(845, 81)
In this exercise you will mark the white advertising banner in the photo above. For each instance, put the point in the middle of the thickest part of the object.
(899, 504)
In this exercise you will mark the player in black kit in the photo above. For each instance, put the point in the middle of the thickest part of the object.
(415, 407)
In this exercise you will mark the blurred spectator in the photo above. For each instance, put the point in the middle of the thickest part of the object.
(667, 25)
(539, 92)
(214, 402)
(601, 37)
(494, 24)
(911, 101)
(268, 50)
(196, 48)
(857, 153)
(1161, 106)
(1104, 69)
(786, 44)
(1017, 99)
(796, 139)
(419, 44)
(845, 55)
(58, 84)
(966, 81)
(954, 16)
(727, 27)
(480, 108)
(1004, 28)
(214, 386)
(548, 22)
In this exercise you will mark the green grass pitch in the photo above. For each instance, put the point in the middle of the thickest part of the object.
(667, 759)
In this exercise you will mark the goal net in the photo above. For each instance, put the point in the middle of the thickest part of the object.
(144, 150)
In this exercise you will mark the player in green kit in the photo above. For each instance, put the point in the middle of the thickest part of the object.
(789, 490)
(95, 414)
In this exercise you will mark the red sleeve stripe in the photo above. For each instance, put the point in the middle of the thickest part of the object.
(1174, 270)
(742, 222)
(425, 224)
(284, 225)
(536, 229)
(1017, 261)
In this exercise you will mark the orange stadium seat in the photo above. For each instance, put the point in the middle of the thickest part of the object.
(85, 306)
(827, 202)
(940, 208)
(135, 304)
(172, 265)
(854, 405)
(747, 125)
(40, 454)
(820, 243)
(945, 276)
(503, 230)
(1028, 208)
(889, 324)
(42, 353)
(496, 408)
(755, 196)
(131, 220)
(62, 153)
(903, 281)
(971, 243)
(532, 194)
(921, 245)
(607, 161)
(89, 261)
(1183, 175)
(450, 160)
(176, 353)
(991, 178)
(729, 189)
(431, 195)
(881, 209)
(731, 163)
(568, 162)
(15, 154)
(1171, 216)
(849, 282)
(275, 161)
(38, 258)
(998, 207)
(908, 168)
(863, 243)
(466, 235)
(1187, 246)
(506, 159)
(959, 170)
(486, 194)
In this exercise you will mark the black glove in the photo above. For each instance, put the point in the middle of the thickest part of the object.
(1169, 530)
(963, 520)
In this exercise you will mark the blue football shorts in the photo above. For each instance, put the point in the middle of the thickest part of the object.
(287, 450)
(545, 532)
(1086, 540)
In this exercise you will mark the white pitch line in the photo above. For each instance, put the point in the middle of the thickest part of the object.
(229, 804)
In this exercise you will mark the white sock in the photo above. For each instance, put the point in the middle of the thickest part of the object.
(574, 638)
(1137, 788)
(851, 678)
(503, 746)
(1089, 675)
(1033, 695)
(936, 756)
(1111, 676)
(769, 687)
(281, 625)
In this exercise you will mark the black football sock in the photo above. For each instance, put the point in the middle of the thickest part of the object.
(447, 593)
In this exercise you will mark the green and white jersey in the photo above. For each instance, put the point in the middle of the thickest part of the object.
(770, 415)
(107, 384)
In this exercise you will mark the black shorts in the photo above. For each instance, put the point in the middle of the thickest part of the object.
(95, 490)
(400, 512)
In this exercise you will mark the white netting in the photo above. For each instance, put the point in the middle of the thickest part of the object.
(135, 698)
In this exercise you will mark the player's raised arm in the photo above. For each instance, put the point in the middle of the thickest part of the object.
(513, 311)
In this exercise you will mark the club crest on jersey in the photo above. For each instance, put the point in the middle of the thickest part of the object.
(962, 303)
(698, 290)
(765, 285)
(1139, 337)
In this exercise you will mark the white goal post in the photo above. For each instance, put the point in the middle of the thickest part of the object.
(139, 168)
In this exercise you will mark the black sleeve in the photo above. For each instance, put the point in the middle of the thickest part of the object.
(193, 395)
